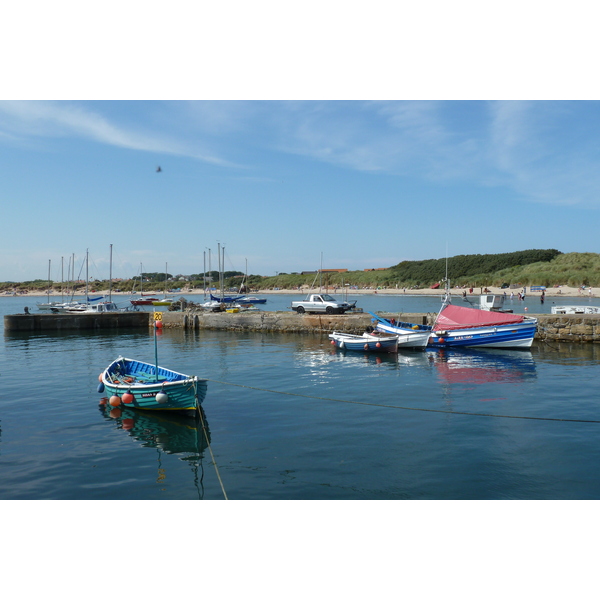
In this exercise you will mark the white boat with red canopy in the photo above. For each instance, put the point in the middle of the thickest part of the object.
(457, 326)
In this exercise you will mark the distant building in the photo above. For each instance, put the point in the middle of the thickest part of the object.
(333, 270)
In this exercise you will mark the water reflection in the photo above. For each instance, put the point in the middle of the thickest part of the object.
(483, 366)
(168, 434)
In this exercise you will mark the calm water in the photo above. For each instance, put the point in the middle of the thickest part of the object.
(291, 418)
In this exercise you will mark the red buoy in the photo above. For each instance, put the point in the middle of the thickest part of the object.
(158, 324)
(378, 345)
(127, 398)
(114, 400)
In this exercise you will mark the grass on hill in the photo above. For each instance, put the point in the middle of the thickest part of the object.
(529, 267)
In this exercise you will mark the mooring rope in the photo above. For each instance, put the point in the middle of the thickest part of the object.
(430, 410)
(205, 433)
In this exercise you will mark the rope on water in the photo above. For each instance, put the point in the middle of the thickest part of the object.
(430, 410)
(211, 454)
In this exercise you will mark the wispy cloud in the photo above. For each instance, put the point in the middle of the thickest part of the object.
(63, 119)
(547, 151)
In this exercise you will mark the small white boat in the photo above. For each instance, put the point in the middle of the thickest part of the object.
(101, 307)
(364, 343)
(575, 310)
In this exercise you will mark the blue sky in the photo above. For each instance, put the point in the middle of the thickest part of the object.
(368, 137)
(365, 183)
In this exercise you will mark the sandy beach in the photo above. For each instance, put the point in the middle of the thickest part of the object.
(562, 291)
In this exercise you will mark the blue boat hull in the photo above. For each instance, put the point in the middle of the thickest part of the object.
(152, 389)
(504, 336)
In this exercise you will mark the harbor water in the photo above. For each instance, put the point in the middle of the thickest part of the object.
(290, 417)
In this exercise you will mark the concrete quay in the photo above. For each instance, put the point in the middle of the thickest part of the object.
(556, 328)
(551, 328)
(51, 322)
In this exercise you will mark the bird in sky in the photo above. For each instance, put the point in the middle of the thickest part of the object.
(158, 169)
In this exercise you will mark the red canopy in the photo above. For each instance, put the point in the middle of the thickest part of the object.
(459, 317)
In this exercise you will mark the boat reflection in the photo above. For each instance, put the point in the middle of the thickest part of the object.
(483, 366)
(406, 358)
(168, 434)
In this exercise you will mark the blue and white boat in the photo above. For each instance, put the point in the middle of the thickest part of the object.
(410, 335)
(150, 387)
(460, 326)
(251, 300)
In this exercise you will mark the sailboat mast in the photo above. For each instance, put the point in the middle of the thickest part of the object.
(48, 290)
(110, 277)
(87, 297)
(321, 275)
(204, 275)
(166, 270)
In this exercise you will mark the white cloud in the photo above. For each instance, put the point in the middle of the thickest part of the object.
(62, 119)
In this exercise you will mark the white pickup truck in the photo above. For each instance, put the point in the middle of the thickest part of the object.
(321, 303)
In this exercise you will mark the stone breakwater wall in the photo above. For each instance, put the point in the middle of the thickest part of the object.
(557, 328)
(551, 328)
(50, 322)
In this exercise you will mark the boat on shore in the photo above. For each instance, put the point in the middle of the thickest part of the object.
(136, 384)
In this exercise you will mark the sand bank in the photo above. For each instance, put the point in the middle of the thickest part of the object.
(562, 291)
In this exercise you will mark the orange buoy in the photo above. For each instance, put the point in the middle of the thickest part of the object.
(441, 340)
(114, 400)
(127, 398)
(378, 345)
(333, 342)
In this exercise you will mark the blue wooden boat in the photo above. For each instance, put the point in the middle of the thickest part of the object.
(365, 342)
(459, 326)
(410, 335)
(150, 387)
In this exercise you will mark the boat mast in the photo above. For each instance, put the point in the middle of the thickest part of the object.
(221, 278)
(48, 290)
(87, 297)
(110, 277)
(204, 275)
(166, 270)
(321, 275)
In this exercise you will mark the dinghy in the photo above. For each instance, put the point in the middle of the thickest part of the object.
(136, 384)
